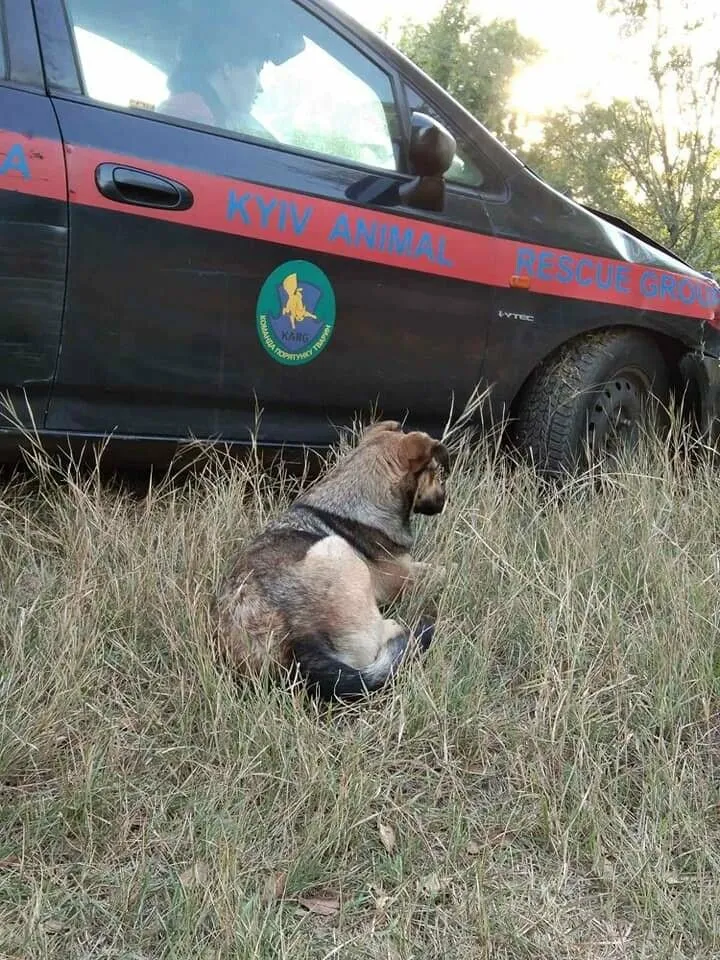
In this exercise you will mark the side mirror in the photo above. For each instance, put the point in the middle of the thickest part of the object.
(432, 149)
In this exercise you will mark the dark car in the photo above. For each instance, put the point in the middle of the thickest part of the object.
(215, 210)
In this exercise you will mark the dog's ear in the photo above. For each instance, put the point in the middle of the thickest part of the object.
(418, 449)
(383, 426)
(442, 455)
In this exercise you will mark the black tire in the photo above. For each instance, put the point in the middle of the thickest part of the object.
(593, 396)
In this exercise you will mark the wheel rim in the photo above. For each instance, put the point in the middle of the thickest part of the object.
(618, 410)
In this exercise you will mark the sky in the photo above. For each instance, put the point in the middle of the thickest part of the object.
(581, 45)
(584, 54)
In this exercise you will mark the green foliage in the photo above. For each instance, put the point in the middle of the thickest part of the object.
(653, 160)
(474, 61)
(634, 12)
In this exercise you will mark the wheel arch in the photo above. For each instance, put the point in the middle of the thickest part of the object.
(685, 377)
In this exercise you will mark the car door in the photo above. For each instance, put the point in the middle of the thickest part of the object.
(222, 264)
(33, 224)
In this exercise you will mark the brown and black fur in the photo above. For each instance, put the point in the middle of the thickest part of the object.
(306, 591)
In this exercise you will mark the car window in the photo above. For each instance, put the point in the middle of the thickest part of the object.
(3, 45)
(462, 170)
(270, 71)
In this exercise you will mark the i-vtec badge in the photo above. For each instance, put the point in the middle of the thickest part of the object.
(508, 315)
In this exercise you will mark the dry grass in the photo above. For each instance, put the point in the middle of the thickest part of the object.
(544, 785)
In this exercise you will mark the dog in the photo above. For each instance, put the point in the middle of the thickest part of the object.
(305, 595)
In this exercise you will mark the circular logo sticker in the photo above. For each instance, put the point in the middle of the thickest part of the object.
(295, 312)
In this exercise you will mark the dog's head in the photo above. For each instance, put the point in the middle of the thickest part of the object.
(428, 463)
(420, 462)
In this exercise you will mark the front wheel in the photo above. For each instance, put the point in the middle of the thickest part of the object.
(591, 398)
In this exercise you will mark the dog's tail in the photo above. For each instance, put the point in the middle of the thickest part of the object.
(329, 677)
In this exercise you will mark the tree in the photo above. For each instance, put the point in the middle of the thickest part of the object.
(474, 61)
(654, 160)
(712, 260)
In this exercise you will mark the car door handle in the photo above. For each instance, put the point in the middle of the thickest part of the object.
(130, 185)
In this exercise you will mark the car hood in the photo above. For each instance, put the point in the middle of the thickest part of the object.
(643, 248)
